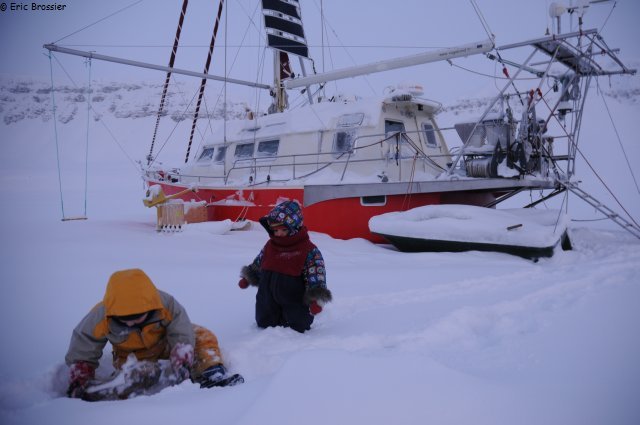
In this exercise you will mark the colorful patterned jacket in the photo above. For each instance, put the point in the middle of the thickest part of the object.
(313, 272)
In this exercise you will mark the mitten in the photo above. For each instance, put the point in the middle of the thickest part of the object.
(181, 359)
(315, 307)
(80, 373)
(244, 283)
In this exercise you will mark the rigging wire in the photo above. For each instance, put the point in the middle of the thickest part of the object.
(323, 28)
(615, 3)
(182, 117)
(98, 21)
(214, 37)
(222, 94)
(495, 77)
(326, 24)
(615, 129)
(226, 69)
(172, 58)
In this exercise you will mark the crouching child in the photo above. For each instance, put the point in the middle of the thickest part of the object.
(144, 325)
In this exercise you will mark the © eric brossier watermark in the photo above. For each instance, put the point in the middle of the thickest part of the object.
(28, 7)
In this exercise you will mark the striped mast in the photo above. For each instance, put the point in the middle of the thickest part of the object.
(204, 80)
(166, 81)
(285, 34)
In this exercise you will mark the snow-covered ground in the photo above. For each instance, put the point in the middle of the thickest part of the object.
(467, 338)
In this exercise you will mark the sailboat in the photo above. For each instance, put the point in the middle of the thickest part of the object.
(347, 160)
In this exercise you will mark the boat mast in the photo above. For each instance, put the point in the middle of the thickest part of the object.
(279, 94)
(166, 81)
(285, 35)
(204, 80)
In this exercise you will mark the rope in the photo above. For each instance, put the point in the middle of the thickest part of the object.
(101, 121)
(565, 198)
(86, 152)
(407, 196)
(590, 166)
(55, 129)
(243, 214)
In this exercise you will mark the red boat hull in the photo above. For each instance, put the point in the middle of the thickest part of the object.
(341, 218)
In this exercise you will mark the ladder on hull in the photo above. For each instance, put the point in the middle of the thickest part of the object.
(630, 227)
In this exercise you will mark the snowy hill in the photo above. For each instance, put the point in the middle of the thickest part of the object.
(27, 99)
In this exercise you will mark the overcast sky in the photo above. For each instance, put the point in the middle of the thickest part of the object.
(369, 30)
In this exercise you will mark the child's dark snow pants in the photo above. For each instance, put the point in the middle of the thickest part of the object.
(279, 302)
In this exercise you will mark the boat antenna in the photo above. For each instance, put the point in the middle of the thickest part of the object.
(166, 81)
(322, 30)
(204, 80)
(482, 19)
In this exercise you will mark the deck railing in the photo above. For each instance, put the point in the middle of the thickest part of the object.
(307, 164)
(400, 148)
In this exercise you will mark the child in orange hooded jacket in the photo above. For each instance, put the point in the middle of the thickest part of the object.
(140, 320)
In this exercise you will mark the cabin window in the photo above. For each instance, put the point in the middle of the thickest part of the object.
(373, 201)
(244, 151)
(350, 120)
(220, 154)
(430, 135)
(391, 127)
(268, 148)
(343, 142)
(397, 144)
(206, 155)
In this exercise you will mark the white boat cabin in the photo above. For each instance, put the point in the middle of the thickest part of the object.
(344, 141)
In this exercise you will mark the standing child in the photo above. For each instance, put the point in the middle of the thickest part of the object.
(289, 272)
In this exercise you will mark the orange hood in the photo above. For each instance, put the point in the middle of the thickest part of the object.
(130, 292)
